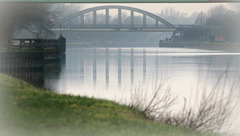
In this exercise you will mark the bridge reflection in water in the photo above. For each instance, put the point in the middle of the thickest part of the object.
(118, 68)
(97, 69)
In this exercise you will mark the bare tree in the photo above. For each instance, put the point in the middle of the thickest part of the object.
(66, 9)
(201, 19)
(36, 18)
(63, 10)
(176, 17)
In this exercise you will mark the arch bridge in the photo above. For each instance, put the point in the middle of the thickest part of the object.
(160, 24)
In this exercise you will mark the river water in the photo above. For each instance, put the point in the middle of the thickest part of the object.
(112, 72)
(109, 72)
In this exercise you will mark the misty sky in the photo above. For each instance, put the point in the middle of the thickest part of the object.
(187, 8)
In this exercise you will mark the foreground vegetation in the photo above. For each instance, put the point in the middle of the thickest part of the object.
(27, 110)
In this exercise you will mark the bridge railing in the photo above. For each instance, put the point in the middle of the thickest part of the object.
(111, 26)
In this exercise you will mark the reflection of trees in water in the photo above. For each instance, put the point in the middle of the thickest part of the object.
(35, 78)
(32, 70)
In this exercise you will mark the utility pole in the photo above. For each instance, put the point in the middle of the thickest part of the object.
(60, 30)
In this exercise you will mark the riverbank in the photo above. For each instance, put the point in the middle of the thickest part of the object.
(27, 110)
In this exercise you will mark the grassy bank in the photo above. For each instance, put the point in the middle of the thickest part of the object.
(27, 110)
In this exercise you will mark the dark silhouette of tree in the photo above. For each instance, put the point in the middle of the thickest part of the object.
(36, 18)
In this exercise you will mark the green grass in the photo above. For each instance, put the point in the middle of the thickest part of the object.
(29, 111)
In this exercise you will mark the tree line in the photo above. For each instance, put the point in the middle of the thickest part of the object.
(217, 21)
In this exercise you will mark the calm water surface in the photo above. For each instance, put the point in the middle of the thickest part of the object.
(111, 72)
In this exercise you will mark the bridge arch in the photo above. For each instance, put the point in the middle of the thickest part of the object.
(94, 9)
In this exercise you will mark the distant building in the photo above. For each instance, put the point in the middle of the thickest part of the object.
(219, 37)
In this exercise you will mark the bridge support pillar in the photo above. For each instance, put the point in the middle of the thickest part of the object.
(94, 18)
(132, 18)
(119, 17)
(156, 24)
(107, 16)
(144, 21)
(82, 19)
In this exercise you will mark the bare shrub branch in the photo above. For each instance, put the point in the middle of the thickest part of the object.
(160, 100)
(209, 114)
